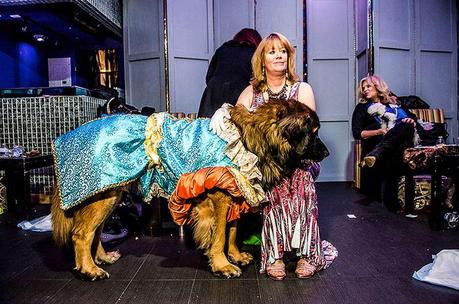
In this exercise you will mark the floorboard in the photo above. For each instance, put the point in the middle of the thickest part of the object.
(378, 253)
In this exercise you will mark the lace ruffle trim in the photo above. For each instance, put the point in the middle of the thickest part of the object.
(248, 177)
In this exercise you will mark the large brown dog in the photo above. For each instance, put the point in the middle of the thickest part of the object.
(280, 133)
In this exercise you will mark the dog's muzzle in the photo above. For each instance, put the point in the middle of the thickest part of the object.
(314, 150)
(319, 150)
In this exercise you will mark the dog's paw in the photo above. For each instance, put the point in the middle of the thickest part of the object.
(229, 271)
(242, 258)
(93, 274)
(109, 258)
(246, 259)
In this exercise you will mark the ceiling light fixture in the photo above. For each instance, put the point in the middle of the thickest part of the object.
(15, 16)
(39, 37)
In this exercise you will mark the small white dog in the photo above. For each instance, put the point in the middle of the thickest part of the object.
(387, 113)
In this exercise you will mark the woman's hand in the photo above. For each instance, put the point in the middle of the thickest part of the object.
(217, 122)
(370, 133)
(382, 131)
(409, 121)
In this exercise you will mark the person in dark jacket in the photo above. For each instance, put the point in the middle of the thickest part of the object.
(229, 71)
(382, 148)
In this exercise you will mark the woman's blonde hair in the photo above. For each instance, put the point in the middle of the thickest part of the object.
(382, 89)
(258, 80)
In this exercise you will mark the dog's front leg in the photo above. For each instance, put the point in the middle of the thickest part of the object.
(216, 254)
(235, 256)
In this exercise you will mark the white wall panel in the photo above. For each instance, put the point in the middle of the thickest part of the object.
(189, 24)
(396, 70)
(330, 25)
(189, 88)
(331, 71)
(191, 47)
(436, 57)
(144, 53)
(394, 53)
(286, 18)
(143, 38)
(435, 85)
(230, 17)
(395, 23)
(436, 25)
(267, 21)
(330, 81)
(145, 83)
(336, 167)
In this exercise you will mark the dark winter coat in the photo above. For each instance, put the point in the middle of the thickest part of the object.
(228, 75)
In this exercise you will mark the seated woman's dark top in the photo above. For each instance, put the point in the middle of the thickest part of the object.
(362, 121)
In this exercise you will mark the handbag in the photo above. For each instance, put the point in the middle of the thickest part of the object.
(429, 132)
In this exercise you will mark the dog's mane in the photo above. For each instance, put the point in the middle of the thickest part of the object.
(262, 135)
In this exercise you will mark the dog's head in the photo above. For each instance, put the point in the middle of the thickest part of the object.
(281, 133)
(299, 125)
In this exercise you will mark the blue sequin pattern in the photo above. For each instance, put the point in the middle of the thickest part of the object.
(109, 152)
(187, 147)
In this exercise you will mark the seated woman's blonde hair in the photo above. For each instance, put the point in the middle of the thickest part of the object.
(381, 87)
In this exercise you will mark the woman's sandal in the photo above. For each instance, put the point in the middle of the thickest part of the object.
(276, 270)
(304, 270)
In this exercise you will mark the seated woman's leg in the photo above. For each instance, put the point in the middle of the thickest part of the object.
(393, 168)
(400, 136)
(371, 181)
(390, 193)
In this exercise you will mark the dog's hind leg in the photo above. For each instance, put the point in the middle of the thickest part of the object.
(234, 255)
(216, 254)
(87, 222)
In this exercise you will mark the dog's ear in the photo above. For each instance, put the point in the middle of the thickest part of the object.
(240, 115)
(300, 129)
(300, 122)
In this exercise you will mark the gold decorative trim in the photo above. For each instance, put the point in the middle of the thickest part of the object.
(248, 191)
(247, 165)
(153, 135)
(155, 191)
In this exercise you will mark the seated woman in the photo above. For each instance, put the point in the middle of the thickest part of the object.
(382, 147)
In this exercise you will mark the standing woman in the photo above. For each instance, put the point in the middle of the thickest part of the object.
(229, 71)
(290, 216)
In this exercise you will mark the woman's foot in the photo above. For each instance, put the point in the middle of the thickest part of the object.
(369, 161)
(304, 270)
(374, 155)
(276, 270)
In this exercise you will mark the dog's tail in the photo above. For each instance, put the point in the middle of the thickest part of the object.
(62, 224)
(203, 217)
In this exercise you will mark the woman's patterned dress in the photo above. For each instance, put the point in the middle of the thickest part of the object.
(290, 216)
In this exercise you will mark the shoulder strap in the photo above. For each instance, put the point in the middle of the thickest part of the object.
(257, 99)
(294, 91)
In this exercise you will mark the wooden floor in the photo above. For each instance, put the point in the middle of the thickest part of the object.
(378, 252)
